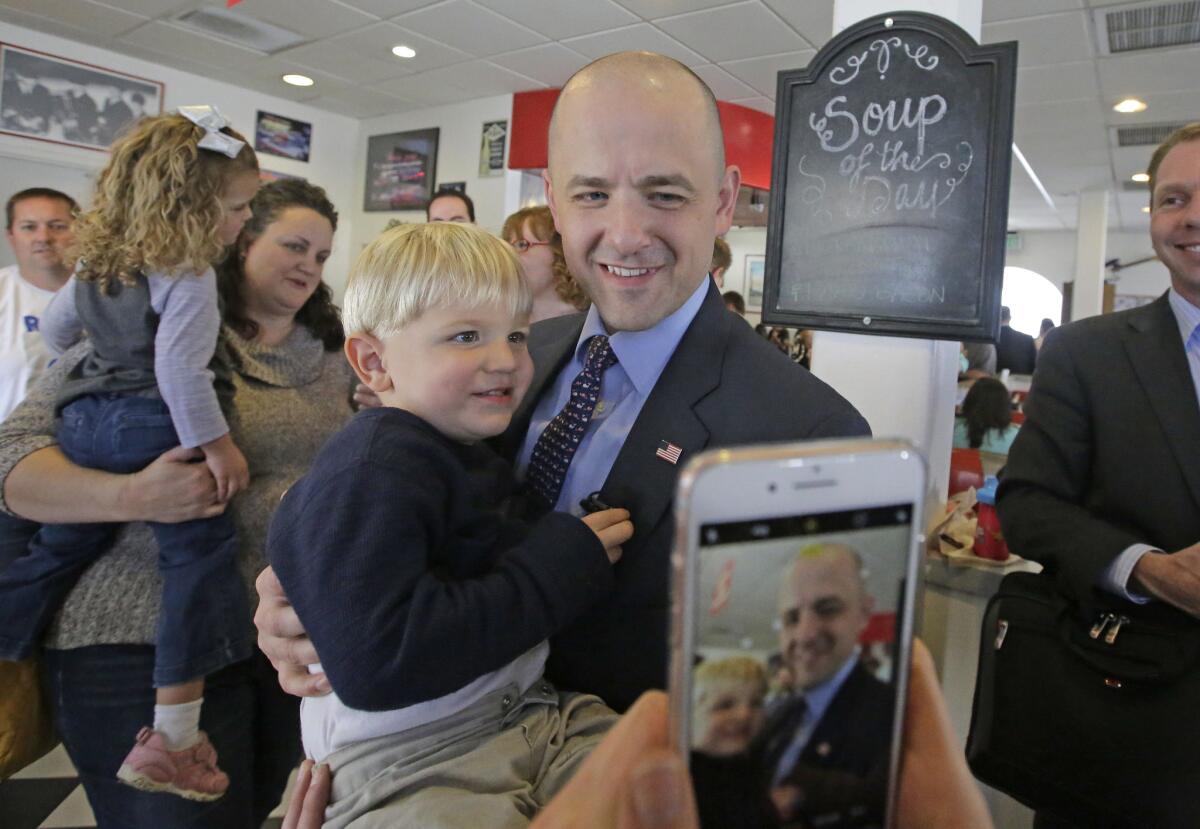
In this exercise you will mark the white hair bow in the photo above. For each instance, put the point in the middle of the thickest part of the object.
(210, 119)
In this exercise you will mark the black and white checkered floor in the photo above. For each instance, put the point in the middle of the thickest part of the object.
(48, 794)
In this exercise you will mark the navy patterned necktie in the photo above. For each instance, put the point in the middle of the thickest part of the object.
(560, 439)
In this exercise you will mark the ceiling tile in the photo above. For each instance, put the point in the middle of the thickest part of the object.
(149, 8)
(1130, 160)
(557, 19)
(469, 27)
(1160, 106)
(654, 9)
(170, 41)
(814, 21)
(1152, 71)
(97, 20)
(549, 63)
(480, 77)
(1064, 82)
(1074, 178)
(640, 36)
(388, 8)
(311, 18)
(1081, 122)
(743, 30)
(420, 90)
(430, 53)
(725, 86)
(365, 56)
(760, 103)
(761, 73)
(996, 10)
(360, 102)
(1054, 38)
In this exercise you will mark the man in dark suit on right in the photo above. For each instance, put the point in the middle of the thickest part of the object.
(1102, 484)
(1016, 351)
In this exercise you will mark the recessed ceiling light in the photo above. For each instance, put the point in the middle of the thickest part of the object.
(298, 80)
(404, 52)
(1141, 178)
(1130, 105)
(1145, 209)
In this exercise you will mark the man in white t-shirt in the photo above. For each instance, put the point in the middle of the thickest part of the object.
(39, 230)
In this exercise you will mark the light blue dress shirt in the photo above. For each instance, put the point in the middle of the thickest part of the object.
(641, 358)
(1115, 579)
(817, 700)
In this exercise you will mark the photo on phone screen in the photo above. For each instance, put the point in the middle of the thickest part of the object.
(794, 667)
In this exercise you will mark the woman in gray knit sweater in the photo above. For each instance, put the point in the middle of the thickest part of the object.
(282, 340)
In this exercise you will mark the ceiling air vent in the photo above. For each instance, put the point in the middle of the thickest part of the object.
(239, 29)
(1147, 26)
(1147, 135)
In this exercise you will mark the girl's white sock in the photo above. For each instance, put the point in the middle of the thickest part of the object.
(179, 724)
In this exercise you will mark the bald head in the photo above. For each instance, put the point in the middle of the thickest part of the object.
(823, 609)
(634, 74)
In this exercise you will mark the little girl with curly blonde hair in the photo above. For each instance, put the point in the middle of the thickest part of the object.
(173, 196)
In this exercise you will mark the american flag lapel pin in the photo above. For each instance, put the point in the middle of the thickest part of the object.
(668, 451)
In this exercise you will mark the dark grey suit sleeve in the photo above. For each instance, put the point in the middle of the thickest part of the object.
(1045, 483)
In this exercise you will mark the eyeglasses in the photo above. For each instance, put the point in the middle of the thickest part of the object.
(523, 245)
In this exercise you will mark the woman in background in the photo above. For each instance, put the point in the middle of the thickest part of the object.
(539, 247)
(986, 422)
(282, 340)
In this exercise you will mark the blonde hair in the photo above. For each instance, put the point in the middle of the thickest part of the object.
(409, 269)
(541, 223)
(743, 670)
(157, 202)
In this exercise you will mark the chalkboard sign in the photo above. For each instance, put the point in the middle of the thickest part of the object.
(889, 188)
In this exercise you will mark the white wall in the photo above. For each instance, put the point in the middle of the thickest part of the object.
(1052, 254)
(24, 161)
(459, 140)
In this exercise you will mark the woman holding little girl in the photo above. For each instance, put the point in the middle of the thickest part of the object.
(279, 358)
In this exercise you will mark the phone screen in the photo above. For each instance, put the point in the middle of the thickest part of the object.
(795, 667)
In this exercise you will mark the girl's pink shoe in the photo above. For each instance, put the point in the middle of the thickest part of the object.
(191, 772)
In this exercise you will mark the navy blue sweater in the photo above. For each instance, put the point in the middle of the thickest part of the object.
(399, 563)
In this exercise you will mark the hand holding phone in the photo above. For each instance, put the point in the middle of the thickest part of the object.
(795, 571)
(613, 528)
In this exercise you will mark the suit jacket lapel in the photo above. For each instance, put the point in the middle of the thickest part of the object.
(1156, 351)
(639, 480)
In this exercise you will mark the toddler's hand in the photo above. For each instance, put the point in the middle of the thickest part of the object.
(228, 466)
(613, 528)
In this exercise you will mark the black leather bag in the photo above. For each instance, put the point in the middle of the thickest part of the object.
(1090, 714)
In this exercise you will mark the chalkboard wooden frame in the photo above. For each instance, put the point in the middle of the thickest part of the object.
(987, 267)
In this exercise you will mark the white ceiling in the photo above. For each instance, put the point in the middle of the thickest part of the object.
(474, 48)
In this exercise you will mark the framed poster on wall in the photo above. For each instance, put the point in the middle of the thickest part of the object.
(64, 101)
(400, 170)
(282, 136)
(755, 269)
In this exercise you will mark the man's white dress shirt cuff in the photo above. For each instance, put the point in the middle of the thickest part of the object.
(1115, 579)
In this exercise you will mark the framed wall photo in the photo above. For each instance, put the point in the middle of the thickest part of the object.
(755, 270)
(282, 136)
(64, 101)
(491, 150)
(400, 170)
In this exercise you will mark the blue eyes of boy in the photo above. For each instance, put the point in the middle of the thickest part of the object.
(470, 337)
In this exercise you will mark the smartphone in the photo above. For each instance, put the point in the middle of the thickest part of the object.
(795, 578)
